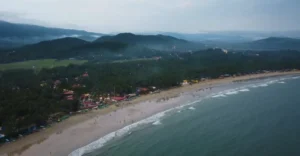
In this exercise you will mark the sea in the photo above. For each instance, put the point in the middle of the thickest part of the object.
(251, 118)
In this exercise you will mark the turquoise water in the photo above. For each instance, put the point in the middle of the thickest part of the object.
(256, 120)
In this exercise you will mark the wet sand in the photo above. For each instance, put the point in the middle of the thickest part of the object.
(80, 130)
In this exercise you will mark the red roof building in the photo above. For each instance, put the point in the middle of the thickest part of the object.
(118, 98)
(57, 82)
(85, 74)
(89, 104)
(68, 92)
(76, 86)
(70, 97)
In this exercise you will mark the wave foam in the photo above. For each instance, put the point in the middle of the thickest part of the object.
(219, 95)
(191, 108)
(244, 90)
(157, 122)
(282, 82)
(231, 92)
(264, 85)
(100, 142)
(125, 130)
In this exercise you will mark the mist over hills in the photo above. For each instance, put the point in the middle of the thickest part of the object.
(270, 43)
(15, 35)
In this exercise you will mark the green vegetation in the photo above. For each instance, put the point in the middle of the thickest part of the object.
(117, 65)
(31, 98)
(39, 64)
(135, 60)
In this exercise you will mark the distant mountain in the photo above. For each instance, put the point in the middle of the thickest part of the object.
(13, 35)
(270, 43)
(74, 48)
(141, 39)
(276, 43)
(24, 30)
(210, 36)
(44, 49)
(158, 42)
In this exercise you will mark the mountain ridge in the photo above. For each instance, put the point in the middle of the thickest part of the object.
(157, 42)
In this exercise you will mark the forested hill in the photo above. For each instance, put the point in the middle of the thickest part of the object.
(158, 42)
(276, 43)
(107, 48)
(75, 48)
(16, 35)
(45, 49)
(137, 39)
(24, 30)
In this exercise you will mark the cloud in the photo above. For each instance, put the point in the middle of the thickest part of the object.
(155, 15)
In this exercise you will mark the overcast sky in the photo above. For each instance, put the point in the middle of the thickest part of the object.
(156, 15)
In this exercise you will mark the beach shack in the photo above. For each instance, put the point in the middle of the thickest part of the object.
(88, 104)
(85, 74)
(68, 94)
(185, 82)
(142, 91)
(118, 98)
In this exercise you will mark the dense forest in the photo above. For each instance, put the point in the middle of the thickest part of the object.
(30, 97)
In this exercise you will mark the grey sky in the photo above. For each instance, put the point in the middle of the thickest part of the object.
(155, 15)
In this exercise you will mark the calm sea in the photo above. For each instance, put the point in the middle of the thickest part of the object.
(255, 118)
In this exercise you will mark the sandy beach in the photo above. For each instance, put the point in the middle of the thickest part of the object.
(79, 130)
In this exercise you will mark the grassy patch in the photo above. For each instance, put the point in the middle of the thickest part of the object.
(39, 64)
(134, 60)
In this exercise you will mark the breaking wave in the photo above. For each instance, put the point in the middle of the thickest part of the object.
(218, 95)
(264, 85)
(244, 90)
(155, 120)
(231, 92)
(191, 108)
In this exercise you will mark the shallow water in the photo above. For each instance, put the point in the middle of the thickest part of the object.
(250, 118)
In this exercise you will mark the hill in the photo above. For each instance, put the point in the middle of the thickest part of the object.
(13, 34)
(276, 43)
(24, 30)
(268, 44)
(73, 48)
(158, 42)
(42, 50)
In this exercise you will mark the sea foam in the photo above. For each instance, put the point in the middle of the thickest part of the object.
(231, 92)
(157, 122)
(191, 108)
(155, 119)
(264, 85)
(219, 95)
(244, 90)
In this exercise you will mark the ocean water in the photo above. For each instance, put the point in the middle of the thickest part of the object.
(254, 118)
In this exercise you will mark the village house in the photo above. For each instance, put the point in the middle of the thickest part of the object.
(185, 82)
(85, 74)
(69, 94)
(118, 98)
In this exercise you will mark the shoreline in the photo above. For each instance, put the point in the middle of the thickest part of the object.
(80, 130)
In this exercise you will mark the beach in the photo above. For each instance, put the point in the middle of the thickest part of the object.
(80, 130)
